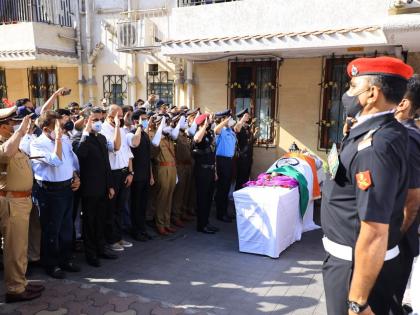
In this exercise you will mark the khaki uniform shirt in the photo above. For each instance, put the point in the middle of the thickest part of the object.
(183, 150)
(15, 172)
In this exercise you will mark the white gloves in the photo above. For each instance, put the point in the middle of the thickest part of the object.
(158, 135)
(175, 131)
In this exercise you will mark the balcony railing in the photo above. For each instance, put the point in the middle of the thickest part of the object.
(56, 12)
(189, 3)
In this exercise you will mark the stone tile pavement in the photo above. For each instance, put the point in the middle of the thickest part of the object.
(192, 273)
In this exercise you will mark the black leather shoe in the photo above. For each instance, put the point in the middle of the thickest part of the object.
(140, 237)
(206, 230)
(93, 261)
(225, 218)
(56, 273)
(34, 288)
(24, 296)
(213, 228)
(70, 267)
(108, 255)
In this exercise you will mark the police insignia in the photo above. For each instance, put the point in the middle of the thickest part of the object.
(354, 70)
(363, 180)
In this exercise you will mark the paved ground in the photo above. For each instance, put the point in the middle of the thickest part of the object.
(195, 272)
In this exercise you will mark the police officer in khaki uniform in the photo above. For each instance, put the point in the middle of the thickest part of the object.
(163, 157)
(16, 180)
(184, 172)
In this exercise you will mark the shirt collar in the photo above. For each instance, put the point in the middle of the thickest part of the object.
(370, 124)
(364, 118)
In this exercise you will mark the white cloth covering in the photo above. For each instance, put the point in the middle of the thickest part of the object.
(267, 219)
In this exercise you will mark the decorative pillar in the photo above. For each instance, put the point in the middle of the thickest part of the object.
(189, 82)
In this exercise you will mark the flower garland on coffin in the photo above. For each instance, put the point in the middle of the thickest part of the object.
(272, 180)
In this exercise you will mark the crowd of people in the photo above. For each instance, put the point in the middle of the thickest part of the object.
(115, 169)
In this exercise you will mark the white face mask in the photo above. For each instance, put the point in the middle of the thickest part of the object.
(52, 135)
(97, 126)
(213, 125)
(231, 123)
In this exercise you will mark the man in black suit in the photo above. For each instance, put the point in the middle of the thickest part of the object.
(143, 178)
(97, 187)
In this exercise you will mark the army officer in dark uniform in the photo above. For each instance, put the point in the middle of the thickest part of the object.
(409, 244)
(362, 208)
(245, 148)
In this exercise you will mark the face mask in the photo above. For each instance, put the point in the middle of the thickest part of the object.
(352, 104)
(121, 122)
(167, 130)
(213, 125)
(144, 124)
(97, 126)
(52, 135)
(68, 126)
(231, 123)
(15, 128)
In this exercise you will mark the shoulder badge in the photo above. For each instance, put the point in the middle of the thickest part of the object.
(364, 180)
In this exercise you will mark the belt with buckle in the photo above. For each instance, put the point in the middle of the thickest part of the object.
(170, 164)
(346, 252)
(54, 185)
(207, 166)
(15, 194)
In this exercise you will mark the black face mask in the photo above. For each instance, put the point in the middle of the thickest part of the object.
(121, 122)
(68, 126)
(352, 104)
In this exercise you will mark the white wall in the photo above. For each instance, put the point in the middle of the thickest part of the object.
(250, 17)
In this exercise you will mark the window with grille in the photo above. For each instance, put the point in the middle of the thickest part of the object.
(334, 84)
(115, 89)
(158, 83)
(3, 86)
(42, 84)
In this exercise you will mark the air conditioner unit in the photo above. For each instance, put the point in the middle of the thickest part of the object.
(137, 35)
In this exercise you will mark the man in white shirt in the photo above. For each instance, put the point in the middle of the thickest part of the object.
(118, 142)
(55, 169)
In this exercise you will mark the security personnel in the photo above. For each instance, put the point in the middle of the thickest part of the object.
(362, 207)
(205, 172)
(184, 172)
(15, 207)
(163, 157)
(225, 150)
(409, 245)
(245, 148)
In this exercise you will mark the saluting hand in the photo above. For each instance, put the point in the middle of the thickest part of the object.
(116, 122)
(88, 127)
(57, 130)
(24, 126)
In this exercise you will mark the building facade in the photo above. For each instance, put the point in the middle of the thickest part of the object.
(284, 60)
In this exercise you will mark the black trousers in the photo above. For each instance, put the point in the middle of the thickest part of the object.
(407, 260)
(139, 200)
(337, 274)
(114, 225)
(56, 208)
(243, 171)
(204, 178)
(224, 174)
(94, 210)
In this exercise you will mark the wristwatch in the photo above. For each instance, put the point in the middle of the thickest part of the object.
(356, 307)
(131, 173)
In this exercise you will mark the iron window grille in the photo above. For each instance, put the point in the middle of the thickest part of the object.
(188, 3)
(158, 83)
(115, 88)
(3, 86)
(42, 83)
(45, 11)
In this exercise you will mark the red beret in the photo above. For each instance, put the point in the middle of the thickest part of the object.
(379, 65)
(200, 119)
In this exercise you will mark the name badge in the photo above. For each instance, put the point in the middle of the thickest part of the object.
(333, 161)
